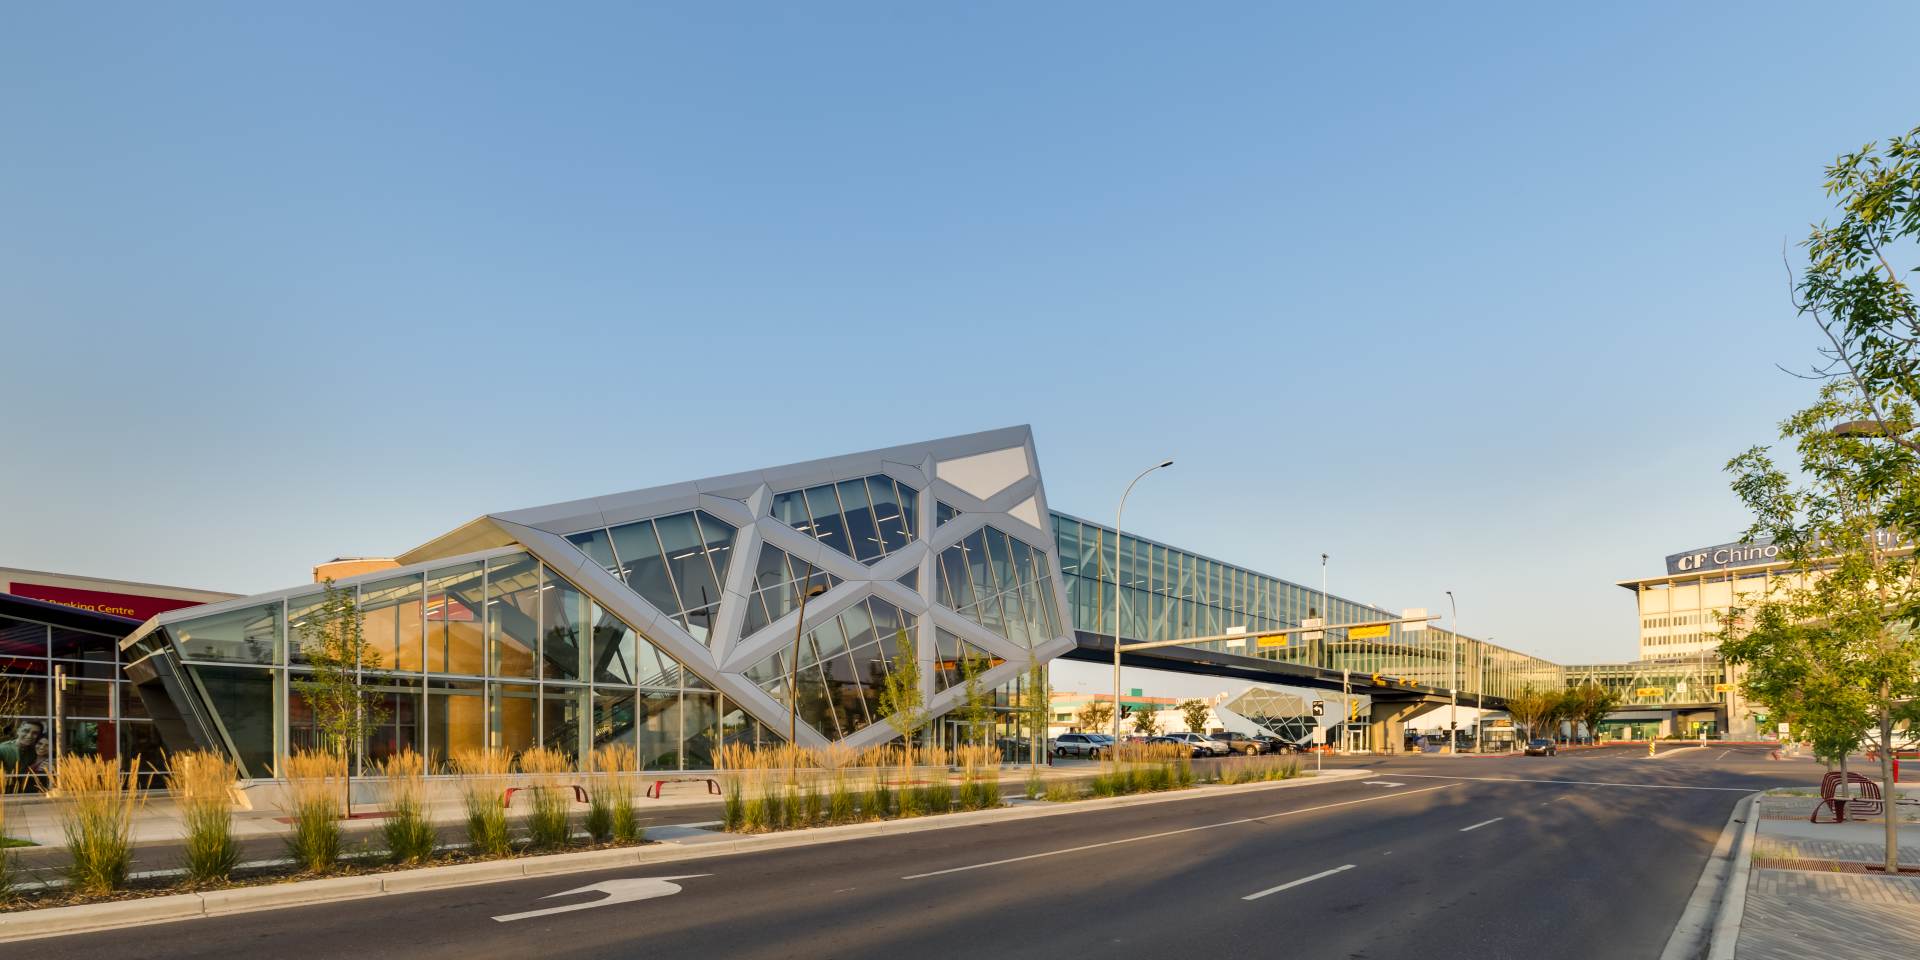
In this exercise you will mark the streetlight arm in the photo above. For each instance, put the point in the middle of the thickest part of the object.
(1118, 516)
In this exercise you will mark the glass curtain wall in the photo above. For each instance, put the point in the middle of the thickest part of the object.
(97, 714)
(502, 653)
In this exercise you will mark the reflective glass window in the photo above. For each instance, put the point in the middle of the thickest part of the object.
(67, 644)
(700, 730)
(888, 514)
(392, 621)
(22, 638)
(565, 718)
(686, 556)
(598, 547)
(564, 625)
(657, 715)
(456, 637)
(243, 709)
(643, 566)
(613, 718)
(513, 615)
(862, 531)
(513, 724)
(456, 719)
(250, 635)
(828, 526)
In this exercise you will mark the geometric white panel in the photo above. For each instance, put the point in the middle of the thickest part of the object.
(985, 474)
(1029, 510)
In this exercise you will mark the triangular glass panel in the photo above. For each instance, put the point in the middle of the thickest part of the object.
(779, 578)
(866, 518)
(910, 580)
(1001, 583)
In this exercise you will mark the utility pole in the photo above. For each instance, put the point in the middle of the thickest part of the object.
(1118, 516)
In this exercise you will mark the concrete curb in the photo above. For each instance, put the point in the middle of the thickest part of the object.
(1698, 924)
(1733, 902)
(87, 918)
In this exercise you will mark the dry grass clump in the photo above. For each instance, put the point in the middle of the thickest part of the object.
(484, 776)
(200, 782)
(610, 811)
(408, 827)
(315, 801)
(97, 800)
(980, 776)
(550, 821)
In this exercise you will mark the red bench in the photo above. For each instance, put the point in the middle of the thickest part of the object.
(579, 792)
(653, 789)
(1867, 803)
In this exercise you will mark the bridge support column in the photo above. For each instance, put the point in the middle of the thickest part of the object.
(1387, 724)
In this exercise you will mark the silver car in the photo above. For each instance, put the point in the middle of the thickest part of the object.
(1082, 745)
(1198, 742)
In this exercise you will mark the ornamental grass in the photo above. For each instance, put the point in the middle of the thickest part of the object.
(484, 777)
(408, 828)
(612, 792)
(550, 818)
(201, 784)
(97, 800)
(314, 801)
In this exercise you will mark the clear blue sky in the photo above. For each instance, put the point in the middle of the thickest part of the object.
(1472, 299)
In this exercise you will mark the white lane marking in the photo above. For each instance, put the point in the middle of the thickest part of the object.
(1722, 756)
(1576, 783)
(1380, 783)
(1173, 833)
(1294, 883)
(617, 891)
(1481, 824)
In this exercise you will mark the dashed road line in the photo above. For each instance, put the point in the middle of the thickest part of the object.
(1172, 833)
(1481, 824)
(1576, 783)
(1294, 883)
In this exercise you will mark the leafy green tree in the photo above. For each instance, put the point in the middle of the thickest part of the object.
(1146, 722)
(1831, 646)
(1094, 715)
(1195, 713)
(1532, 708)
(1851, 290)
(1588, 704)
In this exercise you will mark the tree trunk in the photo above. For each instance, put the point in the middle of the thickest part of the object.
(1886, 786)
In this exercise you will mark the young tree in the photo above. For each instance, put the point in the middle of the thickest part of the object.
(1831, 645)
(1146, 722)
(976, 707)
(900, 698)
(1039, 706)
(1094, 715)
(1195, 712)
(335, 646)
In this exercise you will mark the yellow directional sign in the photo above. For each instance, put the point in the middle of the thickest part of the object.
(1279, 640)
(1722, 687)
(1649, 691)
(1369, 633)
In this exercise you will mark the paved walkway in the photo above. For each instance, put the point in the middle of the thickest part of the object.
(1795, 914)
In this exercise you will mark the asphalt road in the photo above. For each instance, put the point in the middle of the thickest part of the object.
(1576, 856)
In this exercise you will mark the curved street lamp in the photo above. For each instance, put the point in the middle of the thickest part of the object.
(1118, 515)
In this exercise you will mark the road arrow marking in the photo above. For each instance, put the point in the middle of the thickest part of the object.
(1381, 783)
(617, 891)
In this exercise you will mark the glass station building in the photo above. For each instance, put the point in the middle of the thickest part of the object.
(666, 618)
(663, 618)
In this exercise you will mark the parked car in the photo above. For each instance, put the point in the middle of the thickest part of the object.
(1541, 747)
(1239, 742)
(1194, 750)
(1212, 747)
(1276, 745)
(1082, 745)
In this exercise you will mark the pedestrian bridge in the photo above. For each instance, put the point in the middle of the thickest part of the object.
(1394, 699)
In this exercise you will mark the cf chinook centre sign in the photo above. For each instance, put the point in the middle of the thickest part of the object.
(1754, 554)
(1723, 556)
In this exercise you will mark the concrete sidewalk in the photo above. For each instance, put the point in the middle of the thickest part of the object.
(1828, 909)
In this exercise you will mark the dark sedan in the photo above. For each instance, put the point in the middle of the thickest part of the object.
(1541, 747)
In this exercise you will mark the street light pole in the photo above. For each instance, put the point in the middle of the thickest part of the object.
(1453, 688)
(1119, 515)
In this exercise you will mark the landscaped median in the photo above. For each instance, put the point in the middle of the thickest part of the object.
(54, 921)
